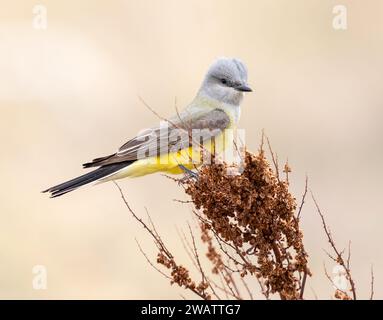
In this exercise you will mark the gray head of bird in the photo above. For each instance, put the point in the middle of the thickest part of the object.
(226, 81)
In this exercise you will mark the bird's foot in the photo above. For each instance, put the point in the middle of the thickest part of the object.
(189, 174)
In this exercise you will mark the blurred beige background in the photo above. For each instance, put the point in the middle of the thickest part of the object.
(70, 93)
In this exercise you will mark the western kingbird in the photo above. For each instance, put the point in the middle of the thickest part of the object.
(170, 148)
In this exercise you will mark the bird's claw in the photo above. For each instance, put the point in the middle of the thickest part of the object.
(189, 174)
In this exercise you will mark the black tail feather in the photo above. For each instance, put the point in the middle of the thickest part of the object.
(97, 162)
(89, 177)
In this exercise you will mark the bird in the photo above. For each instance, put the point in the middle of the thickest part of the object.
(170, 146)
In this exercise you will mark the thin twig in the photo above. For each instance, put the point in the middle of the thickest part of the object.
(332, 282)
(246, 287)
(314, 293)
(196, 256)
(195, 259)
(349, 255)
(287, 170)
(187, 247)
(303, 285)
(274, 158)
(278, 259)
(372, 283)
(152, 233)
(230, 275)
(223, 289)
(262, 140)
(303, 198)
(339, 257)
(229, 280)
(151, 109)
(148, 260)
(182, 201)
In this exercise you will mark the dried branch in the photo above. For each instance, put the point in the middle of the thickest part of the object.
(287, 170)
(339, 257)
(252, 221)
(339, 293)
(274, 158)
(157, 239)
(254, 214)
(303, 285)
(246, 286)
(303, 198)
(179, 274)
(151, 263)
(195, 252)
(349, 255)
(187, 248)
(372, 283)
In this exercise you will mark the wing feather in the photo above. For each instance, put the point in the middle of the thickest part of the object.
(175, 136)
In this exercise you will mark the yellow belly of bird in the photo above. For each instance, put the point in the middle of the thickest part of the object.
(190, 158)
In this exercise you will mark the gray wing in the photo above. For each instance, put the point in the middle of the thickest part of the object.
(179, 133)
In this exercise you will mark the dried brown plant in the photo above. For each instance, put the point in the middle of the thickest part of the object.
(249, 224)
(254, 214)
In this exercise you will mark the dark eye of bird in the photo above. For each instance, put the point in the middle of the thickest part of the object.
(223, 81)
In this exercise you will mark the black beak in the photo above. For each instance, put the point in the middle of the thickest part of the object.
(243, 88)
